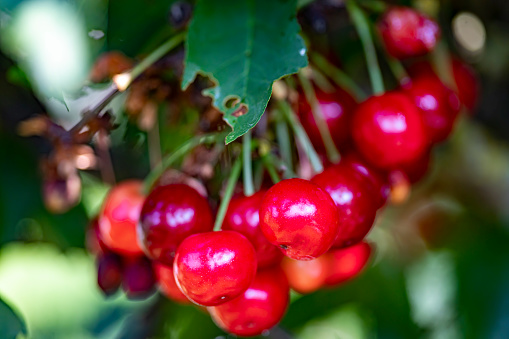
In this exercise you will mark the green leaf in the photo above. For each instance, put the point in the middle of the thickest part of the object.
(11, 325)
(243, 46)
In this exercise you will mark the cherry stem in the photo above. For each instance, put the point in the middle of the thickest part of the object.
(309, 92)
(301, 135)
(248, 169)
(154, 142)
(442, 64)
(338, 76)
(269, 165)
(362, 26)
(181, 151)
(283, 140)
(228, 193)
(397, 69)
(374, 5)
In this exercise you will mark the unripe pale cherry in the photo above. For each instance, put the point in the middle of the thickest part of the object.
(119, 216)
(306, 276)
(169, 215)
(347, 263)
(300, 218)
(214, 267)
(258, 309)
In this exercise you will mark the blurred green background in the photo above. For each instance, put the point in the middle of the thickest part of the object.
(441, 268)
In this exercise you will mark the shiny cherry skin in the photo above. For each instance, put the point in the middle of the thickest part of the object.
(336, 108)
(300, 218)
(258, 309)
(109, 272)
(169, 215)
(407, 32)
(138, 279)
(439, 105)
(243, 216)
(467, 83)
(375, 178)
(347, 263)
(416, 170)
(119, 216)
(214, 267)
(167, 285)
(355, 201)
(306, 276)
(388, 130)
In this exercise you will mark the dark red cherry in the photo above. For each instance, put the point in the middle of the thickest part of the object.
(258, 309)
(169, 215)
(214, 267)
(109, 272)
(417, 169)
(356, 202)
(407, 32)
(347, 263)
(467, 82)
(119, 216)
(439, 105)
(243, 217)
(336, 108)
(374, 177)
(300, 218)
(167, 285)
(138, 279)
(306, 276)
(388, 130)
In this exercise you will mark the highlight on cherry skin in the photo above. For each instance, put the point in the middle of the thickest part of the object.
(214, 267)
(170, 214)
(119, 216)
(299, 217)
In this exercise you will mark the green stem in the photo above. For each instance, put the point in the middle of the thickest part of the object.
(283, 140)
(301, 135)
(338, 76)
(181, 151)
(309, 92)
(397, 69)
(248, 169)
(321, 81)
(362, 26)
(269, 165)
(230, 186)
(443, 65)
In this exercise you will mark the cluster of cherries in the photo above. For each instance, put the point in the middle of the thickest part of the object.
(298, 234)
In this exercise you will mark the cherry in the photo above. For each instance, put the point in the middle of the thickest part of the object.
(467, 83)
(306, 276)
(354, 199)
(337, 109)
(388, 130)
(258, 309)
(214, 267)
(93, 241)
(407, 32)
(300, 218)
(375, 178)
(138, 279)
(439, 105)
(347, 263)
(109, 272)
(170, 214)
(167, 284)
(119, 216)
(243, 217)
(416, 170)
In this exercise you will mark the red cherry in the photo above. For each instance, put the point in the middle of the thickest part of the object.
(416, 170)
(337, 109)
(439, 105)
(306, 276)
(375, 178)
(167, 284)
(354, 199)
(93, 241)
(119, 215)
(258, 309)
(243, 217)
(214, 267)
(347, 263)
(109, 272)
(407, 32)
(169, 215)
(388, 130)
(300, 218)
(467, 82)
(138, 279)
